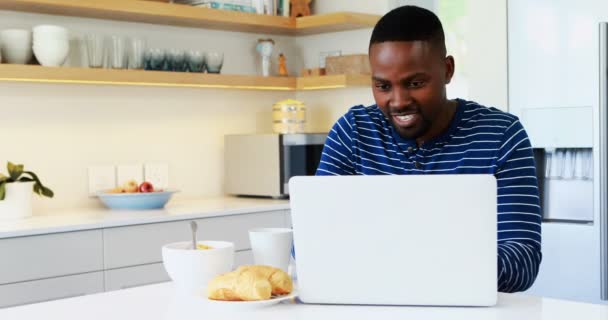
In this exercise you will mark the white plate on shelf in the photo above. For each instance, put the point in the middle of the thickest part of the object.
(246, 305)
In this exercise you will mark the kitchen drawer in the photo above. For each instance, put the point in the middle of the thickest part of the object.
(123, 278)
(243, 258)
(52, 255)
(50, 289)
(141, 244)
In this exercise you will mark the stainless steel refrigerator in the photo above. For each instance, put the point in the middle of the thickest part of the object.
(558, 86)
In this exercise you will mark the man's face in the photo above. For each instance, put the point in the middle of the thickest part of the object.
(408, 79)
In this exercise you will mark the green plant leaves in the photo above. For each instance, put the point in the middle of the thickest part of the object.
(14, 170)
(38, 187)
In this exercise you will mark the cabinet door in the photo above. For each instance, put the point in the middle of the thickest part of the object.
(243, 258)
(50, 289)
(124, 278)
(141, 244)
(129, 277)
(52, 255)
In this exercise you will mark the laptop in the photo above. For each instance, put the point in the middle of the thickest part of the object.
(427, 240)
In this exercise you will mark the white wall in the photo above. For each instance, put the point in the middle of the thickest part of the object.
(60, 130)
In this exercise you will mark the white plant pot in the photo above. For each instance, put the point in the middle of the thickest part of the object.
(18, 201)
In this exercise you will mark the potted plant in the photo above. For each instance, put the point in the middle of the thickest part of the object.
(16, 191)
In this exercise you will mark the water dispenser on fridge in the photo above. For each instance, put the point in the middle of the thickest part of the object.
(562, 139)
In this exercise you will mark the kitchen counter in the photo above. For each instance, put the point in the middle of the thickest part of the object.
(87, 219)
(160, 302)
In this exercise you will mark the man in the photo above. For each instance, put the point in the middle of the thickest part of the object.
(415, 129)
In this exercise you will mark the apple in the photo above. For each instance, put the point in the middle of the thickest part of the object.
(130, 186)
(146, 187)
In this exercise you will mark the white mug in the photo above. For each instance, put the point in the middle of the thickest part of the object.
(271, 246)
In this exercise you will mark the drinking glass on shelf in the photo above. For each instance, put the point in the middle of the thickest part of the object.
(214, 61)
(95, 50)
(118, 57)
(155, 59)
(176, 58)
(136, 51)
(195, 60)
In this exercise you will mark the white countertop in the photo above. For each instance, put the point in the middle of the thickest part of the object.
(86, 219)
(160, 302)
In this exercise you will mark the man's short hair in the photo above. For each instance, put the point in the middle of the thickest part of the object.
(409, 23)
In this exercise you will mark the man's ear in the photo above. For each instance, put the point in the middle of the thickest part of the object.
(449, 69)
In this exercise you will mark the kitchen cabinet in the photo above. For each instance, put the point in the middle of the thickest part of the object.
(124, 278)
(60, 265)
(50, 289)
(46, 256)
(136, 245)
(129, 277)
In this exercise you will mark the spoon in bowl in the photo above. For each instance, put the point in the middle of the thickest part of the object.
(194, 227)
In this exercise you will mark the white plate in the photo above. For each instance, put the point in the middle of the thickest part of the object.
(241, 305)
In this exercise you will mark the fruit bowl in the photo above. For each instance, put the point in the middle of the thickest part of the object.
(136, 201)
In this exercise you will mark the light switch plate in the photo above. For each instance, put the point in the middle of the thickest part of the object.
(101, 178)
(157, 174)
(126, 172)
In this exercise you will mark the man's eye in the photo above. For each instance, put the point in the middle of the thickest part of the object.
(383, 87)
(416, 84)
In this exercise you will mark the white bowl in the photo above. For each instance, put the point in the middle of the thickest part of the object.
(51, 53)
(191, 270)
(16, 45)
(50, 30)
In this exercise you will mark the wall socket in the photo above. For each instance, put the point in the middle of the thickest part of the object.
(101, 178)
(126, 172)
(157, 174)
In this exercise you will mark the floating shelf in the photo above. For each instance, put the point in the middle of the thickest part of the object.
(333, 81)
(39, 74)
(187, 16)
(34, 73)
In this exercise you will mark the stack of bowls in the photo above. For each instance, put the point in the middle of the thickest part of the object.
(51, 45)
(16, 45)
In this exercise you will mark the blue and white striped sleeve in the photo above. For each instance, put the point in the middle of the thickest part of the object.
(337, 156)
(519, 216)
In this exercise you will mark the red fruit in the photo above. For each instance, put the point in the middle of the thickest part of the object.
(146, 187)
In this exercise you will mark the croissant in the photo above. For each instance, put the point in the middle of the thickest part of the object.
(250, 283)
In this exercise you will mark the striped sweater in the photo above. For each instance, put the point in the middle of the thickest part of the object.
(480, 140)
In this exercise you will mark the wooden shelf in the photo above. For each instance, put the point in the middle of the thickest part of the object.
(332, 22)
(187, 16)
(333, 82)
(39, 74)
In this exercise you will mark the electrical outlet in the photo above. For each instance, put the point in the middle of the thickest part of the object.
(101, 178)
(325, 54)
(126, 172)
(157, 174)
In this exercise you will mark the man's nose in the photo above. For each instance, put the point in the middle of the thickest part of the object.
(400, 97)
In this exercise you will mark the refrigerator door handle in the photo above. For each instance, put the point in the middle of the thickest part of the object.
(604, 159)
